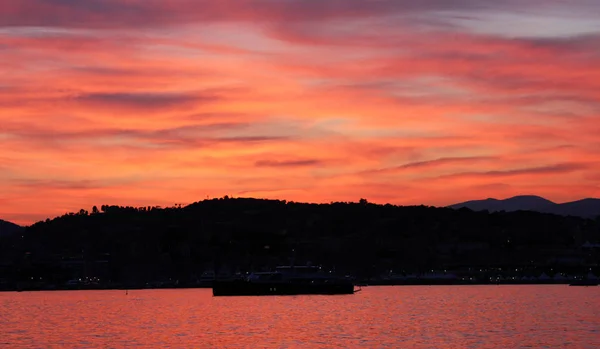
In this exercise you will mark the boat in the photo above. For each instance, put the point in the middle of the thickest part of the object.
(584, 282)
(285, 281)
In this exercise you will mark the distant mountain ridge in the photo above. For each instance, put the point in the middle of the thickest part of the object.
(8, 228)
(586, 208)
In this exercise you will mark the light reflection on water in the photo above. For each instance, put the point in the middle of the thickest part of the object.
(378, 317)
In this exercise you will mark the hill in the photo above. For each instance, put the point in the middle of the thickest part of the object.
(140, 245)
(517, 203)
(8, 228)
(587, 208)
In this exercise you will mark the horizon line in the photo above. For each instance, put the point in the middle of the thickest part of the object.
(183, 205)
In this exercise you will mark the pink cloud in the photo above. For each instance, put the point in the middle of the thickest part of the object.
(139, 102)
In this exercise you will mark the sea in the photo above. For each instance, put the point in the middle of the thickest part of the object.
(453, 317)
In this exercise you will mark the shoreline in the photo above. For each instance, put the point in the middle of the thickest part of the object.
(361, 284)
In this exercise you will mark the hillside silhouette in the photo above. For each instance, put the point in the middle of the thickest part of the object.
(138, 246)
(586, 208)
(8, 228)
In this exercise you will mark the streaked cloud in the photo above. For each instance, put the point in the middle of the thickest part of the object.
(543, 170)
(288, 163)
(144, 102)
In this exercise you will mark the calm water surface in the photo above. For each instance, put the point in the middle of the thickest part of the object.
(378, 317)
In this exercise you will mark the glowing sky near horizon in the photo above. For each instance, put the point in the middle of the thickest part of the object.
(147, 102)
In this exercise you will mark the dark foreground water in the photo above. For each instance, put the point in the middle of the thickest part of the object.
(378, 317)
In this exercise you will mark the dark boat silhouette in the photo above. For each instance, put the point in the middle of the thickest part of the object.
(285, 281)
(584, 282)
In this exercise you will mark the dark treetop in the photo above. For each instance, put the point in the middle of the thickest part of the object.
(141, 245)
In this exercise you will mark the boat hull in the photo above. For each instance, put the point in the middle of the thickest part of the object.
(245, 288)
(584, 283)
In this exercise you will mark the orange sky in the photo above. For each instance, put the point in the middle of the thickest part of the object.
(147, 102)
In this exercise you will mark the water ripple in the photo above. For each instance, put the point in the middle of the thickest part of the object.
(491, 317)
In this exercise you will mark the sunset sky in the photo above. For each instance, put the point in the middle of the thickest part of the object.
(147, 102)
